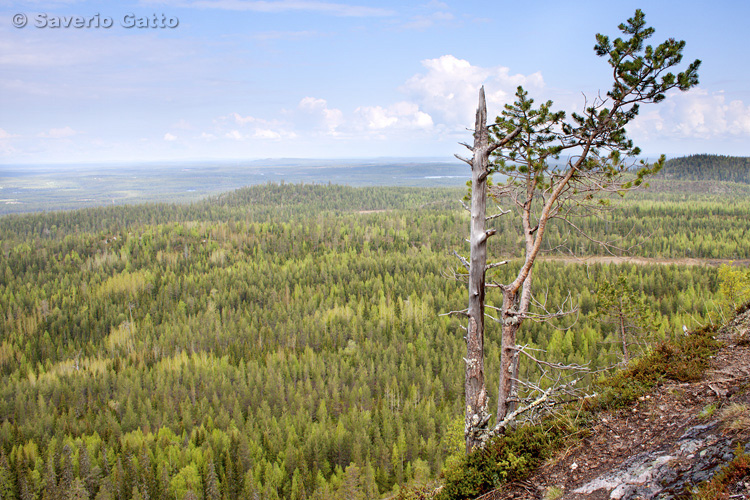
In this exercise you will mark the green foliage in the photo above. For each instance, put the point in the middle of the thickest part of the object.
(415, 493)
(708, 167)
(598, 137)
(536, 144)
(553, 493)
(506, 458)
(734, 287)
(634, 322)
(515, 455)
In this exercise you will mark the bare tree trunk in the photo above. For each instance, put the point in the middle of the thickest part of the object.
(475, 388)
(622, 337)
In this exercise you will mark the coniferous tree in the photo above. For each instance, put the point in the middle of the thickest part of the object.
(49, 489)
(78, 490)
(619, 305)
(212, 483)
(7, 486)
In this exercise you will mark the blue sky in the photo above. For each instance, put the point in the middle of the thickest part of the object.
(248, 79)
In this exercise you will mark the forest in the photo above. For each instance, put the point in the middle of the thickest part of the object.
(291, 340)
(708, 167)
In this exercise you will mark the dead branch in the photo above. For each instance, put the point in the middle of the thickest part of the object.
(495, 264)
(465, 160)
(462, 312)
(463, 260)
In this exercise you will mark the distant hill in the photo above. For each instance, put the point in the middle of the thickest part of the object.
(708, 168)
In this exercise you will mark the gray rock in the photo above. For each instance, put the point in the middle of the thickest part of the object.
(665, 474)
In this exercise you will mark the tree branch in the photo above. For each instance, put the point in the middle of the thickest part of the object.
(504, 141)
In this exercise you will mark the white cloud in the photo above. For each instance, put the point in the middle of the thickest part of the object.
(403, 115)
(697, 114)
(329, 118)
(441, 100)
(169, 137)
(267, 134)
(335, 9)
(273, 133)
(58, 133)
(6, 135)
(242, 120)
(448, 89)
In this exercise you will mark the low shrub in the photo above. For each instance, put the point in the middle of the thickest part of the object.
(683, 359)
(506, 458)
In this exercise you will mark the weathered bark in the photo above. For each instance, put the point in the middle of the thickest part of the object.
(475, 388)
(476, 428)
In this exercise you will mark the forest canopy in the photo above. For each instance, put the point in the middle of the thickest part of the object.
(284, 340)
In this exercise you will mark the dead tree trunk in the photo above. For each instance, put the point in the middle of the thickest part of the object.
(475, 388)
(477, 418)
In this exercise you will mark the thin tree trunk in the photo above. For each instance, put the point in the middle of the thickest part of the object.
(624, 342)
(508, 357)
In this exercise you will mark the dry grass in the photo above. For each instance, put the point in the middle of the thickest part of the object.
(735, 417)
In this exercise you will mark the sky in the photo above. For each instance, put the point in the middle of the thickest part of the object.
(175, 80)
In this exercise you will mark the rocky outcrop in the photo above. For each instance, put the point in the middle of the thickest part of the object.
(695, 457)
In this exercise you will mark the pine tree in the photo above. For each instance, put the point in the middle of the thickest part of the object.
(526, 142)
(212, 483)
(78, 490)
(66, 475)
(49, 489)
(619, 305)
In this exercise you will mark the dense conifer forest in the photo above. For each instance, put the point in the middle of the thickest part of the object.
(708, 168)
(289, 340)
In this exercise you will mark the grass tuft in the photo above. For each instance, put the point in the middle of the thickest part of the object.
(735, 417)
(553, 493)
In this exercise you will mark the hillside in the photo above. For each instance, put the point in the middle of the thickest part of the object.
(670, 442)
(286, 341)
(705, 167)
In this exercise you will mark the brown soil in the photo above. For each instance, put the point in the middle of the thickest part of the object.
(609, 259)
(656, 422)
